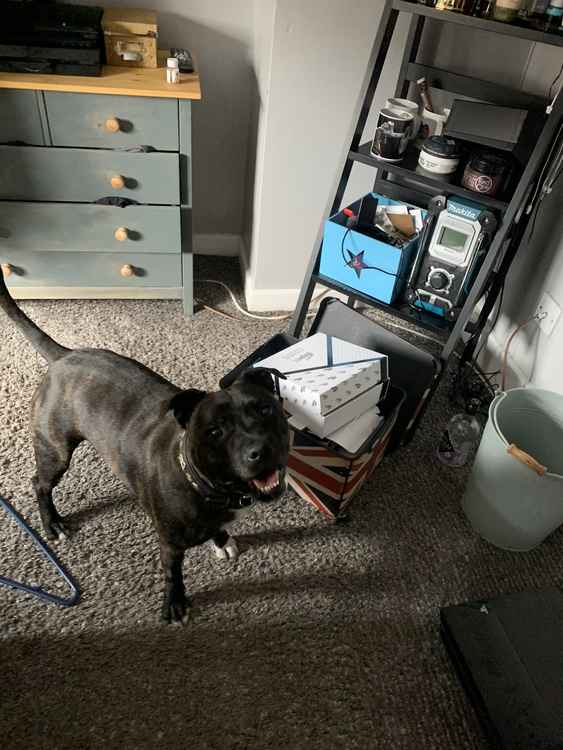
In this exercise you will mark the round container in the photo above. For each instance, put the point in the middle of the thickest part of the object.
(439, 156)
(484, 173)
(506, 10)
(458, 6)
(406, 105)
(172, 70)
(514, 496)
(553, 16)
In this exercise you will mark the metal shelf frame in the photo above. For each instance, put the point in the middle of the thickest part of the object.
(408, 186)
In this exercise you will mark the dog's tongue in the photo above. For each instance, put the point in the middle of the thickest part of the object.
(271, 481)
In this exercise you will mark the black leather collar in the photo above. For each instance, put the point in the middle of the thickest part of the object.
(224, 498)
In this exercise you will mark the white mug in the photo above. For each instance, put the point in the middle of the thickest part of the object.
(433, 122)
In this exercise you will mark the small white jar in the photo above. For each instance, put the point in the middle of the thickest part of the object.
(172, 70)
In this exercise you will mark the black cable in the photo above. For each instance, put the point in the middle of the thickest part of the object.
(370, 268)
(554, 82)
(495, 321)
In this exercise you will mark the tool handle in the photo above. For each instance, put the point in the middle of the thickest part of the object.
(526, 459)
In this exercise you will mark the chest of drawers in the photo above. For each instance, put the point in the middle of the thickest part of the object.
(95, 185)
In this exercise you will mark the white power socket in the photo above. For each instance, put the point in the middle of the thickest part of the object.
(549, 312)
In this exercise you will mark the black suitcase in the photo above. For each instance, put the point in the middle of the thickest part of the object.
(509, 656)
(410, 369)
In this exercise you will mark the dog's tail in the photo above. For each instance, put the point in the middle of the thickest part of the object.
(43, 343)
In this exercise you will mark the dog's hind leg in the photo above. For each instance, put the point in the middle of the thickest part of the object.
(52, 460)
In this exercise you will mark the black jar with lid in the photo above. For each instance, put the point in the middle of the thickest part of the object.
(485, 172)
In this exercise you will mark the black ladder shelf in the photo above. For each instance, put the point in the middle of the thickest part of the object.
(402, 182)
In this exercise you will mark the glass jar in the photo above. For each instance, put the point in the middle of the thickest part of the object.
(482, 8)
(485, 173)
(506, 10)
(533, 8)
(458, 6)
(553, 16)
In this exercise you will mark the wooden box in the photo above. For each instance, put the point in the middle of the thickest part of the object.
(130, 37)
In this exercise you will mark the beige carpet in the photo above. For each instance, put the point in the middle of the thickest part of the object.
(321, 636)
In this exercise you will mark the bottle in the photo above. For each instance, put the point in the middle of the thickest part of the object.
(482, 8)
(460, 437)
(457, 6)
(533, 8)
(172, 70)
(553, 15)
(506, 10)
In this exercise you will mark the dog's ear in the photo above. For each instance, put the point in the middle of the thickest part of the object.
(260, 376)
(184, 403)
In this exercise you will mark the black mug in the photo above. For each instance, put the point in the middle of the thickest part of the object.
(394, 129)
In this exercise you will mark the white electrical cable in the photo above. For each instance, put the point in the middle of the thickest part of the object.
(538, 317)
(287, 316)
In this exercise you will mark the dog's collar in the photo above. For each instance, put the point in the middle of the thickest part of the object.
(225, 499)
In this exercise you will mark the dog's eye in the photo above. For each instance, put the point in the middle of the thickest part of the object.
(215, 432)
(265, 410)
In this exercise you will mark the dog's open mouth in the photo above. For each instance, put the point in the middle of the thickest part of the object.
(269, 483)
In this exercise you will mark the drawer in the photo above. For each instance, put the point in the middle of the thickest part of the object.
(19, 117)
(71, 174)
(103, 121)
(127, 270)
(80, 227)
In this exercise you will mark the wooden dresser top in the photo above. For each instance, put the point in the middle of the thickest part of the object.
(113, 80)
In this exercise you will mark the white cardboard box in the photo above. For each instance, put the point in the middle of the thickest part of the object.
(353, 435)
(329, 381)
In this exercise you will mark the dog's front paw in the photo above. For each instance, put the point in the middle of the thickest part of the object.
(229, 551)
(175, 608)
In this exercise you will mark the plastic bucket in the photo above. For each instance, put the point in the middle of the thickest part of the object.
(514, 497)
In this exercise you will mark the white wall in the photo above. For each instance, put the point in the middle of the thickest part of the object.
(319, 52)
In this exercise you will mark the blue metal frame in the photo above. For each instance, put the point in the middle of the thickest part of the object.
(37, 591)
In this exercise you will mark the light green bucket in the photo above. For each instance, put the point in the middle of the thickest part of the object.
(514, 497)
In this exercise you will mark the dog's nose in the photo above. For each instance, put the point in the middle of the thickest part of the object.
(254, 454)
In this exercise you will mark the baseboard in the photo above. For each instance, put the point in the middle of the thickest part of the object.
(268, 300)
(217, 244)
(94, 292)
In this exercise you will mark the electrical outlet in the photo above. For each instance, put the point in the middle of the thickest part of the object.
(549, 311)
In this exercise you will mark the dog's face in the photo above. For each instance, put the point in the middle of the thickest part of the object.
(238, 437)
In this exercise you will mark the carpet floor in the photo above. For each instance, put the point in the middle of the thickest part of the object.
(320, 636)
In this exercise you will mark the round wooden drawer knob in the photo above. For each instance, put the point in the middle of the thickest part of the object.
(127, 270)
(117, 182)
(121, 234)
(6, 269)
(112, 124)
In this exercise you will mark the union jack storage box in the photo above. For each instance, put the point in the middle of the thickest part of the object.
(326, 475)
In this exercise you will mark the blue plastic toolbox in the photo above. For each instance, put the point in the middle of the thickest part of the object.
(363, 263)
